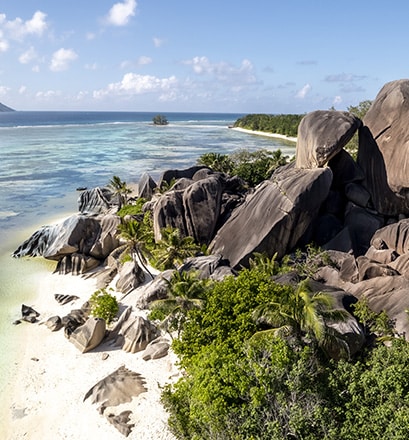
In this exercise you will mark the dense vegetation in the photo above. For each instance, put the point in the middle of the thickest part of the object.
(252, 166)
(243, 382)
(281, 124)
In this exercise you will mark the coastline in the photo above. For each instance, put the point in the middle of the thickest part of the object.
(44, 398)
(263, 133)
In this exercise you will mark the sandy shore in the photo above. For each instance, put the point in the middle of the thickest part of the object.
(45, 396)
(263, 133)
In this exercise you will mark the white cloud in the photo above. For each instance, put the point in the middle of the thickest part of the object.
(133, 84)
(143, 60)
(158, 42)
(22, 90)
(61, 59)
(4, 45)
(18, 29)
(92, 66)
(28, 56)
(223, 71)
(302, 93)
(337, 100)
(4, 90)
(49, 94)
(90, 36)
(344, 77)
(120, 13)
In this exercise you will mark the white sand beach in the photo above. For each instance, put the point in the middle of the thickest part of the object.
(263, 133)
(51, 377)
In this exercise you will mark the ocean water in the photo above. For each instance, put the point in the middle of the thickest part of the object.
(46, 156)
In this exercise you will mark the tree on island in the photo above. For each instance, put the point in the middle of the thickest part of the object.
(160, 120)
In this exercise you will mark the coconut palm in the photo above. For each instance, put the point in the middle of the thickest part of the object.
(120, 190)
(136, 236)
(304, 314)
(185, 292)
(173, 249)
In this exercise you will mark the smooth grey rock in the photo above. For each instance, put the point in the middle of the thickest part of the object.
(54, 323)
(345, 170)
(28, 314)
(146, 186)
(65, 299)
(154, 290)
(76, 264)
(394, 236)
(371, 269)
(95, 201)
(89, 335)
(134, 334)
(156, 349)
(321, 135)
(130, 277)
(274, 217)
(170, 175)
(384, 148)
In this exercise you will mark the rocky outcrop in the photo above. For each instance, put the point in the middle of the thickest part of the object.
(89, 335)
(95, 201)
(146, 186)
(130, 276)
(321, 135)
(384, 148)
(132, 333)
(274, 218)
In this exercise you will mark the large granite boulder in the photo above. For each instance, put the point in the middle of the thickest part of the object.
(274, 218)
(384, 148)
(76, 234)
(394, 236)
(130, 276)
(95, 201)
(194, 210)
(89, 335)
(321, 135)
(133, 333)
(146, 186)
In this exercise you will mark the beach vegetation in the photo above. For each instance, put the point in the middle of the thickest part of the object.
(139, 238)
(284, 124)
(359, 111)
(160, 120)
(134, 209)
(120, 190)
(251, 166)
(185, 292)
(173, 248)
(104, 305)
(244, 383)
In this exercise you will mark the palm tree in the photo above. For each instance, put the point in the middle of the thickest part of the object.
(137, 236)
(173, 249)
(185, 293)
(120, 190)
(303, 314)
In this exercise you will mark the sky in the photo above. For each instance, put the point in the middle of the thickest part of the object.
(259, 56)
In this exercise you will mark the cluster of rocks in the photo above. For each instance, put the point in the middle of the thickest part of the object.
(356, 210)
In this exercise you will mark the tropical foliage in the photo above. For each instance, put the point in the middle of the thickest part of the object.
(103, 305)
(120, 190)
(285, 124)
(252, 166)
(280, 385)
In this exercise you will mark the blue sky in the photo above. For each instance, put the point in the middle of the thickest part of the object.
(267, 56)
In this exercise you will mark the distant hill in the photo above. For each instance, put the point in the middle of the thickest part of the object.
(4, 108)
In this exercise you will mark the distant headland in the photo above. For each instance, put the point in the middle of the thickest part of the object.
(4, 108)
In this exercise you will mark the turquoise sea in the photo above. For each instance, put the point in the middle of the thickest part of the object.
(45, 156)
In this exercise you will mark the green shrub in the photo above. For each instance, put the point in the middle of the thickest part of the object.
(103, 305)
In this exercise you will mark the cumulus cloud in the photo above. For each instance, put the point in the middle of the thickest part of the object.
(303, 92)
(133, 84)
(18, 29)
(337, 100)
(158, 42)
(121, 13)
(28, 56)
(223, 71)
(344, 77)
(61, 59)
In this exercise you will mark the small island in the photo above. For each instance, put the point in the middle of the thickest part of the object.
(160, 120)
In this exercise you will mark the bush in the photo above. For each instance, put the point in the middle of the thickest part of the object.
(103, 305)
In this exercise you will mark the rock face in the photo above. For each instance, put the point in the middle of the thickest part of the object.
(132, 333)
(88, 336)
(384, 148)
(194, 210)
(274, 217)
(130, 277)
(321, 135)
(95, 201)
